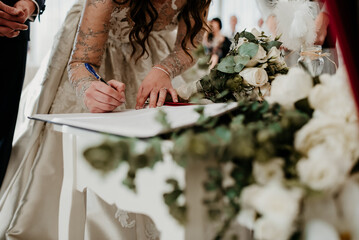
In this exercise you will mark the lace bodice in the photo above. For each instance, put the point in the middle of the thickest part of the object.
(106, 23)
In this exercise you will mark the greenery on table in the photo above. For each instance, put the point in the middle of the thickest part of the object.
(252, 132)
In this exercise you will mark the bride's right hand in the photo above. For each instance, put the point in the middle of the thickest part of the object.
(100, 98)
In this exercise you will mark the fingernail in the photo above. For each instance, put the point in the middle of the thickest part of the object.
(123, 100)
(137, 107)
(176, 100)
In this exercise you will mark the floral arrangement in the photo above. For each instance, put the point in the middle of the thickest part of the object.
(253, 62)
(319, 202)
(287, 166)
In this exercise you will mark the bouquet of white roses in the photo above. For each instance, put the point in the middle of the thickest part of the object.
(252, 63)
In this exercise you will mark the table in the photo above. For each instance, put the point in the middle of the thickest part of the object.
(81, 131)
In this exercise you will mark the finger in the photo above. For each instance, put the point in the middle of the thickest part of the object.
(14, 34)
(174, 94)
(162, 97)
(9, 10)
(94, 105)
(119, 86)
(153, 98)
(141, 97)
(97, 110)
(5, 31)
(103, 98)
(7, 16)
(105, 89)
(13, 25)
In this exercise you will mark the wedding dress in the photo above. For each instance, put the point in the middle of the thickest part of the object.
(30, 193)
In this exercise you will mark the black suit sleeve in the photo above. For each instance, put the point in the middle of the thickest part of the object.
(41, 4)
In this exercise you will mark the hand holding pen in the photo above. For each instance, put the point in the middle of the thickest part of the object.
(102, 96)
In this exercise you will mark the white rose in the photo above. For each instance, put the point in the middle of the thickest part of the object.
(340, 138)
(268, 229)
(318, 229)
(319, 171)
(277, 202)
(248, 195)
(269, 171)
(274, 53)
(263, 91)
(277, 205)
(247, 218)
(274, 57)
(333, 97)
(288, 89)
(256, 33)
(256, 77)
(260, 57)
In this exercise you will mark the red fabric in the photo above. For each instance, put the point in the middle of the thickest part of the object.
(345, 23)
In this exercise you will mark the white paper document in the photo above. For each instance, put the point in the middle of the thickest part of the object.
(135, 123)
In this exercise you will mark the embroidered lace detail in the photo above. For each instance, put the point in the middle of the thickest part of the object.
(119, 27)
(174, 6)
(65, 100)
(151, 231)
(123, 218)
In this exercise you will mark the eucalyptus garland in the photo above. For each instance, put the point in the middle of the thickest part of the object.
(253, 131)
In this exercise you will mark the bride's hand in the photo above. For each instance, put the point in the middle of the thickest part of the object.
(156, 85)
(100, 97)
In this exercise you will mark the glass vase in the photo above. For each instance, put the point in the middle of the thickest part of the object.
(311, 59)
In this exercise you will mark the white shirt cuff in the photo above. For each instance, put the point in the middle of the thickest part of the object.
(34, 15)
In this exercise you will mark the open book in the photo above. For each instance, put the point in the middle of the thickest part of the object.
(135, 123)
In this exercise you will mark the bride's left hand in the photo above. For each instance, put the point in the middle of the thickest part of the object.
(156, 85)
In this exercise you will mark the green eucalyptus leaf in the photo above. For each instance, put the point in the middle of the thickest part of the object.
(239, 67)
(248, 49)
(268, 46)
(247, 35)
(227, 65)
(241, 59)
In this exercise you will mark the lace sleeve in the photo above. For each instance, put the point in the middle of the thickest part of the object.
(178, 60)
(89, 43)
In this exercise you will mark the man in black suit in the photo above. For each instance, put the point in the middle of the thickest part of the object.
(14, 36)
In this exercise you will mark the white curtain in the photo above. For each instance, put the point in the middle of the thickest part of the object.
(246, 11)
(43, 31)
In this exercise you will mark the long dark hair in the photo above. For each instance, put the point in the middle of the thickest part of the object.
(194, 14)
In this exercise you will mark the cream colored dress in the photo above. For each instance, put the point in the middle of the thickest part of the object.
(30, 193)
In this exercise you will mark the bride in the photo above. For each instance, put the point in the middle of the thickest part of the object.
(143, 46)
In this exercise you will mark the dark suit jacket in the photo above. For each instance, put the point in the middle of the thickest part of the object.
(25, 35)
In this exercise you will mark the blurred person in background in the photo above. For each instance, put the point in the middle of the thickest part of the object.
(233, 22)
(217, 45)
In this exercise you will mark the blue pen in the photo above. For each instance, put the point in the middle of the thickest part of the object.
(93, 72)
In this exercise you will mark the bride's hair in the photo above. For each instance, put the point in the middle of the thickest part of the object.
(193, 9)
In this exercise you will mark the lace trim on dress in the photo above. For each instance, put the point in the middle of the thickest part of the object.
(123, 218)
(150, 230)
